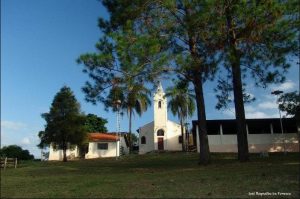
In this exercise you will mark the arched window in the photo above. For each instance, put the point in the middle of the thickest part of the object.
(160, 132)
(143, 140)
(159, 104)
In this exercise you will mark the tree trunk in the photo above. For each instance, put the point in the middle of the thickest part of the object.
(130, 123)
(182, 134)
(243, 153)
(203, 139)
(64, 152)
(234, 59)
(197, 79)
(297, 115)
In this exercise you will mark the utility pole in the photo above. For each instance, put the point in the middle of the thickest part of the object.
(277, 93)
(118, 103)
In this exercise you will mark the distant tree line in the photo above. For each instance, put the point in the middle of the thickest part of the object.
(14, 151)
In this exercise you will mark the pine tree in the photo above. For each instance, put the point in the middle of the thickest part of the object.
(257, 38)
(64, 122)
(189, 49)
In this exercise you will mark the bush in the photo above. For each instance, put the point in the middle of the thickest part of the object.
(14, 151)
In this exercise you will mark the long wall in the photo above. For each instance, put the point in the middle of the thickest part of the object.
(58, 154)
(257, 143)
(111, 151)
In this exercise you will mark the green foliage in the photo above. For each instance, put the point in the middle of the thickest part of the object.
(64, 123)
(14, 151)
(191, 39)
(93, 123)
(134, 138)
(224, 91)
(290, 103)
(179, 40)
(122, 66)
(257, 36)
(182, 101)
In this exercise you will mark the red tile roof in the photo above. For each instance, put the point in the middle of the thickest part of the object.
(95, 137)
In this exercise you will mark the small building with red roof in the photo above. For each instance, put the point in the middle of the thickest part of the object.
(100, 145)
(107, 145)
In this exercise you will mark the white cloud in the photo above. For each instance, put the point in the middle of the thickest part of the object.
(249, 109)
(259, 114)
(10, 125)
(286, 86)
(262, 110)
(268, 105)
(25, 141)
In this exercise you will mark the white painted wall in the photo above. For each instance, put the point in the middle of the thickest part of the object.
(58, 154)
(111, 151)
(123, 144)
(146, 131)
(257, 143)
(172, 137)
(172, 130)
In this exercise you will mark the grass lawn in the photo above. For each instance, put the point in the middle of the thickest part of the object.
(169, 175)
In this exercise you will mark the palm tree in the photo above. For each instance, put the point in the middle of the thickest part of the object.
(181, 103)
(132, 97)
(136, 101)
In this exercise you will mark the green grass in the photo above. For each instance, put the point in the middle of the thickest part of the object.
(169, 175)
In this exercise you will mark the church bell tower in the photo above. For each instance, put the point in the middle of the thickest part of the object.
(160, 108)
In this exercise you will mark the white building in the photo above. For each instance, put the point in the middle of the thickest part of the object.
(106, 145)
(57, 154)
(160, 134)
(264, 135)
(100, 145)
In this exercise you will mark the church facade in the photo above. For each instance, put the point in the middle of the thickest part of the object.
(160, 134)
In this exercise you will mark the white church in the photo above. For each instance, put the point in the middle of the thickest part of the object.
(160, 134)
(264, 134)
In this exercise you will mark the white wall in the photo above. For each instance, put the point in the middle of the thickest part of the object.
(257, 143)
(172, 137)
(146, 131)
(58, 154)
(111, 151)
(123, 144)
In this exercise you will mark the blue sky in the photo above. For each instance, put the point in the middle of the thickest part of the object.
(40, 42)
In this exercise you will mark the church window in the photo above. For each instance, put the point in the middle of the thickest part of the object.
(102, 146)
(160, 132)
(180, 139)
(159, 104)
(143, 140)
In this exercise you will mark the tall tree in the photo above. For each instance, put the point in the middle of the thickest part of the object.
(118, 72)
(181, 104)
(64, 122)
(189, 42)
(133, 98)
(137, 100)
(258, 36)
(94, 123)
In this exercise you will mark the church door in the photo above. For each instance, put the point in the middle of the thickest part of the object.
(160, 143)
